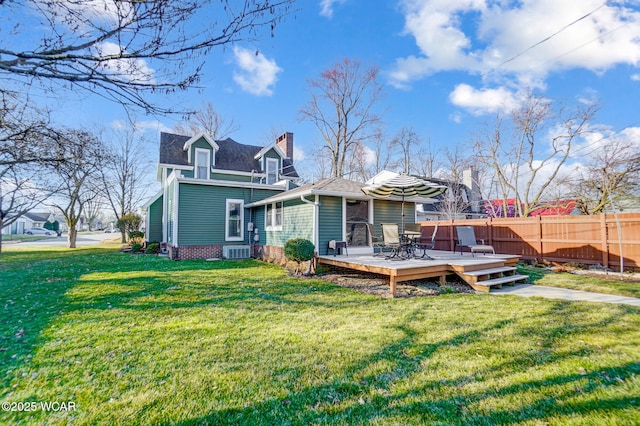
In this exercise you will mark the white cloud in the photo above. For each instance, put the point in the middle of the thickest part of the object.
(257, 73)
(326, 7)
(141, 126)
(484, 101)
(456, 117)
(635, 77)
(298, 154)
(133, 70)
(493, 38)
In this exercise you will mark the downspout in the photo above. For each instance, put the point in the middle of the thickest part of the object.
(316, 217)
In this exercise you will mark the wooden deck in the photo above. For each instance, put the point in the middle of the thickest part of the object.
(481, 272)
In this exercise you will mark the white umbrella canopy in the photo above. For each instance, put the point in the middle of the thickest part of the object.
(404, 186)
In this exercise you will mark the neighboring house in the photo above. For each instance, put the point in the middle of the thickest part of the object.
(225, 199)
(460, 201)
(26, 221)
(495, 208)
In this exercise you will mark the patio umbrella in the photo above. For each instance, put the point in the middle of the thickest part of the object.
(404, 186)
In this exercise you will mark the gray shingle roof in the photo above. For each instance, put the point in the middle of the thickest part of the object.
(232, 156)
(38, 217)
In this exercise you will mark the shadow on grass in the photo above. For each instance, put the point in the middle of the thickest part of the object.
(402, 391)
(342, 401)
(37, 286)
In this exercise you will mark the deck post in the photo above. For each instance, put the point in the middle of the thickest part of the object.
(443, 279)
(392, 285)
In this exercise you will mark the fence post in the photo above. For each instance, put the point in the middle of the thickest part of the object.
(604, 237)
(451, 235)
(540, 257)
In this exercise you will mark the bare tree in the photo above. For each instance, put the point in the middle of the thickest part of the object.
(384, 149)
(321, 163)
(425, 161)
(125, 49)
(342, 109)
(27, 143)
(523, 164)
(207, 120)
(611, 174)
(455, 200)
(26, 135)
(408, 141)
(123, 172)
(93, 211)
(19, 194)
(77, 179)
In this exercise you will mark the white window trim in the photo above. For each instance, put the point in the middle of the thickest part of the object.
(273, 216)
(208, 165)
(271, 161)
(226, 220)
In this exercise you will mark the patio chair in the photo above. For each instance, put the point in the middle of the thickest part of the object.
(413, 230)
(376, 241)
(391, 238)
(425, 244)
(467, 238)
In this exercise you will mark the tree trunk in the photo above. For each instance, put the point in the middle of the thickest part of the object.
(71, 237)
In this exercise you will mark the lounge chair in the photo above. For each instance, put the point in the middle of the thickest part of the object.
(467, 238)
(425, 244)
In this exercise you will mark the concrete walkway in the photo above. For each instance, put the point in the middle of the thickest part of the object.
(529, 290)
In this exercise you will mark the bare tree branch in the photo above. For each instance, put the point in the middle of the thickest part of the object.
(342, 109)
(124, 50)
(523, 165)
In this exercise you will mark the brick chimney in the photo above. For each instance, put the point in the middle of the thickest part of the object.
(285, 143)
(470, 180)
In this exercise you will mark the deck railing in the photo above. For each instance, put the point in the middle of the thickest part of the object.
(599, 239)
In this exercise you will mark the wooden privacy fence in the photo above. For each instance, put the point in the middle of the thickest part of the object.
(585, 239)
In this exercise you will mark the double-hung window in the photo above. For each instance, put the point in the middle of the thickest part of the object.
(203, 163)
(272, 171)
(234, 220)
(273, 219)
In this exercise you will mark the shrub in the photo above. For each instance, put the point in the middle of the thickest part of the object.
(153, 248)
(136, 234)
(299, 250)
(136, 247)
(128, 223)
(53, 226)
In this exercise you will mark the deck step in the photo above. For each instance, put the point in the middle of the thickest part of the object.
(490, 271)
(502, 280)
(486, 286)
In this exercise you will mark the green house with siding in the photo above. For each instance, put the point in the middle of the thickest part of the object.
(329, 209)
(206, 184)
(225, 199)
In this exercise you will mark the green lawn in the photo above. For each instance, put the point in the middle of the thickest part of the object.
(610, 285)
(143, 340)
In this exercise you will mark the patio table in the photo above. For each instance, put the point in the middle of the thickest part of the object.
(407, 244)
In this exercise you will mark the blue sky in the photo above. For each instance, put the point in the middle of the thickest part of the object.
(447, 66)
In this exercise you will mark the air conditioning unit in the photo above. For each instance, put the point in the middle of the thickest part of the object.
(236, 252)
